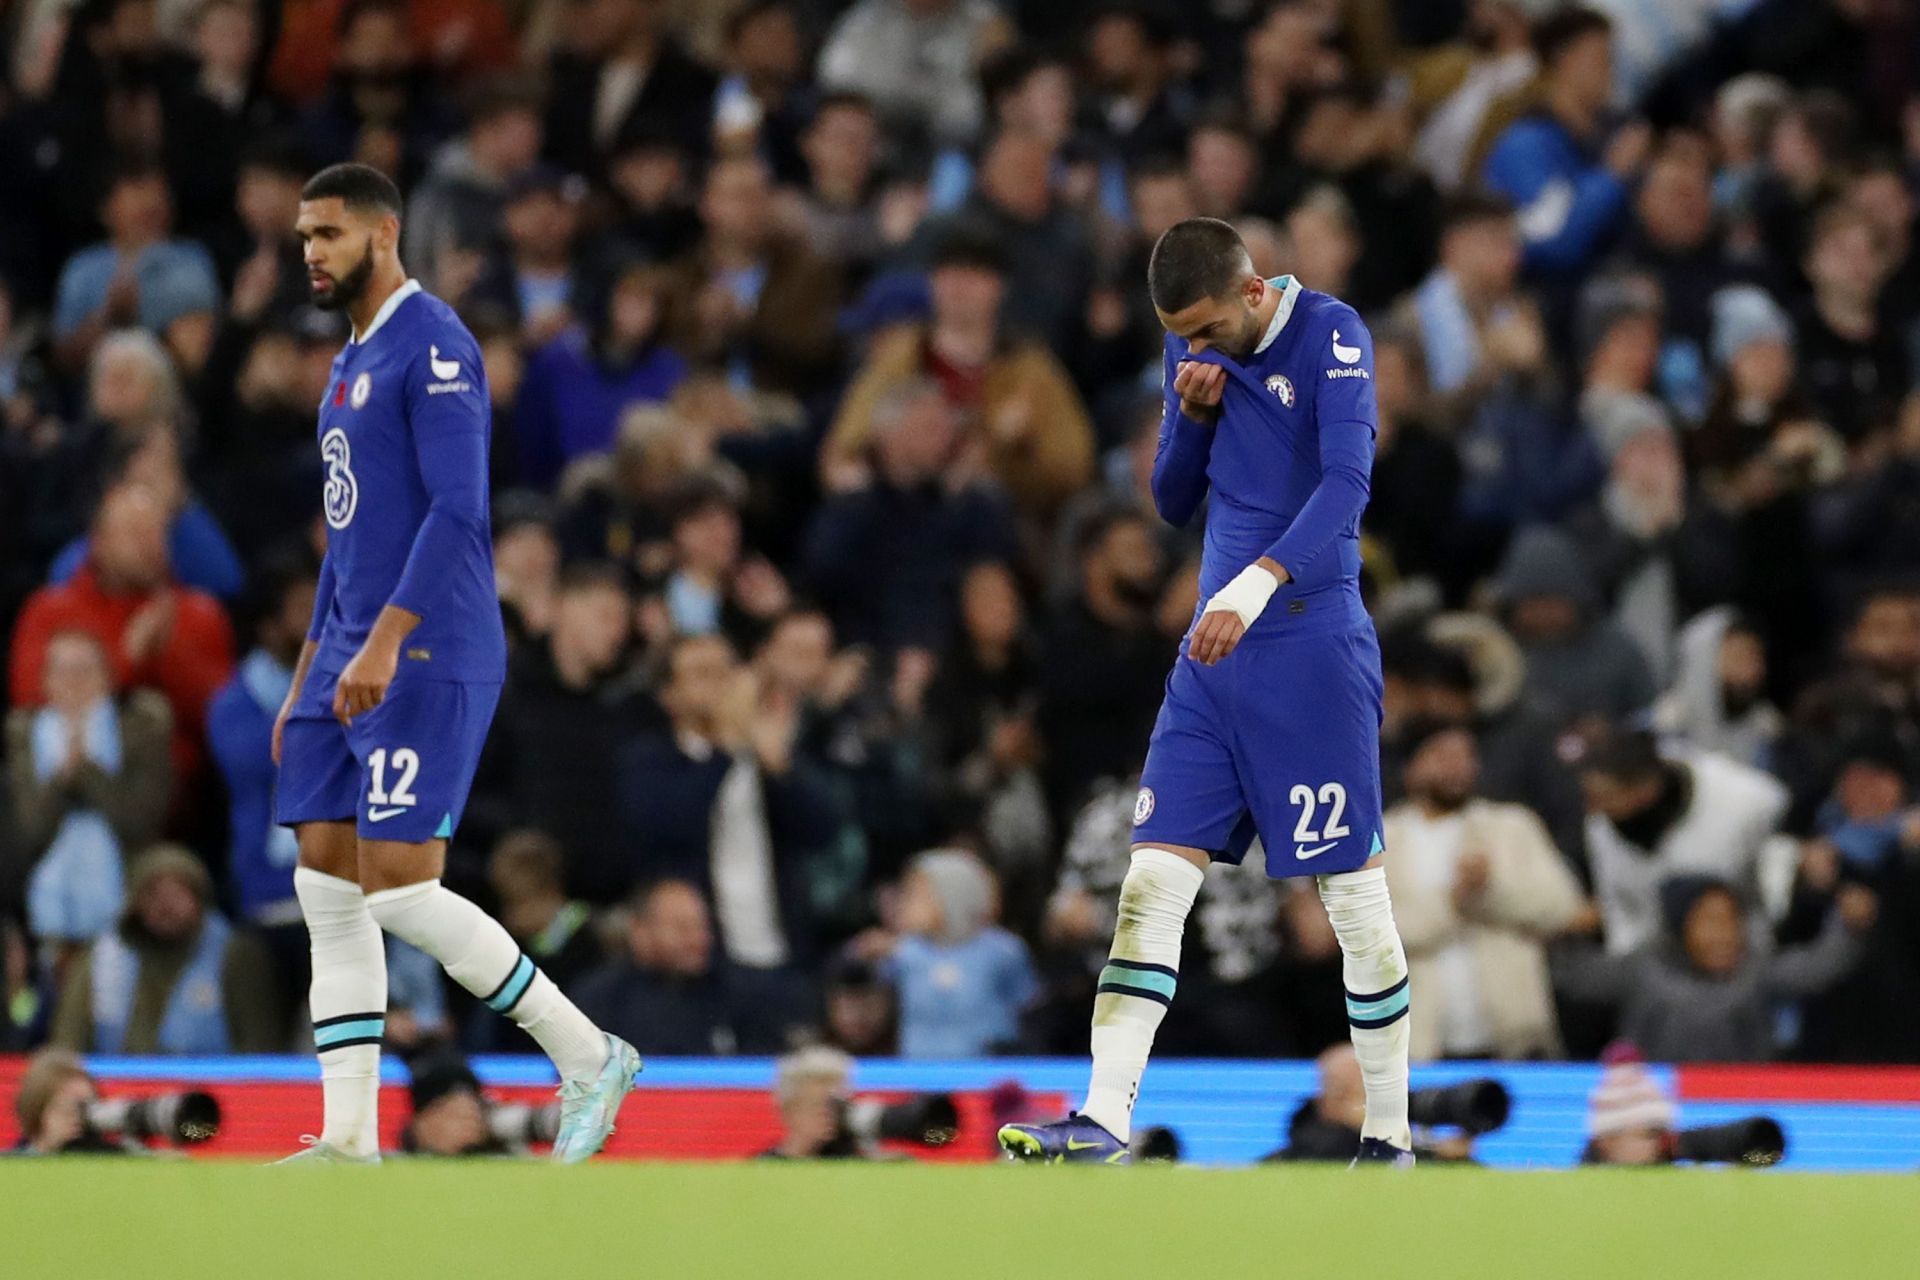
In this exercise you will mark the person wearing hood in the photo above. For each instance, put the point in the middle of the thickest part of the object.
(460, 206)
(175, 977)
(1653, 816)
(1701, 990)
(578, 386)
(963, 980)
(1718, 699)
(1579, 662)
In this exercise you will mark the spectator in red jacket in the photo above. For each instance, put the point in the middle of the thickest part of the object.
(157, 634)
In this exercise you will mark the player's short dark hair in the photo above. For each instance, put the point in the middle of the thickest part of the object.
(361, 187)
(1470, 208)
(1196, 259)
(1624, 755)
(1553, 34)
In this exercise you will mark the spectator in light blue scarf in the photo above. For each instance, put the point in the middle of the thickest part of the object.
(89, 781)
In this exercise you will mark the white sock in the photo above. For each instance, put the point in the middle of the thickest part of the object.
(348, 1000)
(1138, 983)
(482, 956)
(1375, 970)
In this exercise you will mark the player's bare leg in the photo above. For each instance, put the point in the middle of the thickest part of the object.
(1135, 991)
(348, 995)
(1374, 968)
(404, 894)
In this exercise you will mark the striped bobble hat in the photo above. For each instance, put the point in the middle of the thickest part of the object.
(1628, 1096)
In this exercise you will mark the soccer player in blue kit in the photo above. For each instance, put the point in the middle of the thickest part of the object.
(1271, 723)
(397, 683)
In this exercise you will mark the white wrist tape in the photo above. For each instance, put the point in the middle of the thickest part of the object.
(1246, 595)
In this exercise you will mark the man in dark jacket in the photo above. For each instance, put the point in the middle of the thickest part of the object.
(549, 762)
(674, 995)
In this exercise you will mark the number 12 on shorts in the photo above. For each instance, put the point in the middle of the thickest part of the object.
(1334, 796)
(406, 767)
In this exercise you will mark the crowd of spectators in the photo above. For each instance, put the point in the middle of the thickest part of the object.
(825, 395)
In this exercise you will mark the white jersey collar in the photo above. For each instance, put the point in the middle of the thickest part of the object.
(386, 310)
(1289, 294)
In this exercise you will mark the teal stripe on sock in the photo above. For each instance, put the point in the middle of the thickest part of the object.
(513, 988)
(1145, 980)
(326, 1037)
(1368, 1010)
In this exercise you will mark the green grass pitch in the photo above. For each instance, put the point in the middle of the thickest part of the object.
(77, 1220)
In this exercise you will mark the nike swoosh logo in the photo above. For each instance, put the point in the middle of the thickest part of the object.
(381, 815)
(445, 369)
(1316, 851)
(1074, 1144)
(1345, 355)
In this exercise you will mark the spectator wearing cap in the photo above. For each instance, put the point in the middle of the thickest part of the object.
(1567, 179)
(460, 206)
(753, 296)
(564, 713)
(531, 274)
(1019, 409)
(449, 1111)
(174, 977)
(619, 73)
(1653, 816)
(578, 385)
(1701, 990)
(1578, 660)
(88, 775)
(963, 980)
(915, 61)
(157, 634)
(1718, 698)
(1044, 241)
(1478, 890)
(1853, 363)
(139, 275)
(886, 557)
(1630, 1118)
(1755, 390)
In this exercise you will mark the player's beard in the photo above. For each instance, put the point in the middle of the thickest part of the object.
(1247, 336)
(347, 289)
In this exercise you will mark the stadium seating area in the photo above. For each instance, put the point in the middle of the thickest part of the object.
(825, 386)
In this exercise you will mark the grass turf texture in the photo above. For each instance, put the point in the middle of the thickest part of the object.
(83, 1219)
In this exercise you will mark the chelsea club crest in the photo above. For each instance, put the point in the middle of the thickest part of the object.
(1281, 386)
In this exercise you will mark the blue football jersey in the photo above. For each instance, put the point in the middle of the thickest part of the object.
(404, 433)
(1288, 461)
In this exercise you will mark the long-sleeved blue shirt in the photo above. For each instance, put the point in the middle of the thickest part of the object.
(1288, 461)
(404, 434)
(1568, 202)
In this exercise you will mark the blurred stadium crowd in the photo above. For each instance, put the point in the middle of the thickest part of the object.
(825, 388)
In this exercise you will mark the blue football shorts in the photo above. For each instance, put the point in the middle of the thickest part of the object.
(1280, 739)
(401, 771)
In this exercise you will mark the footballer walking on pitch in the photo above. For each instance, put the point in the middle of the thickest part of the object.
(1271, 722)
(398, 680)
